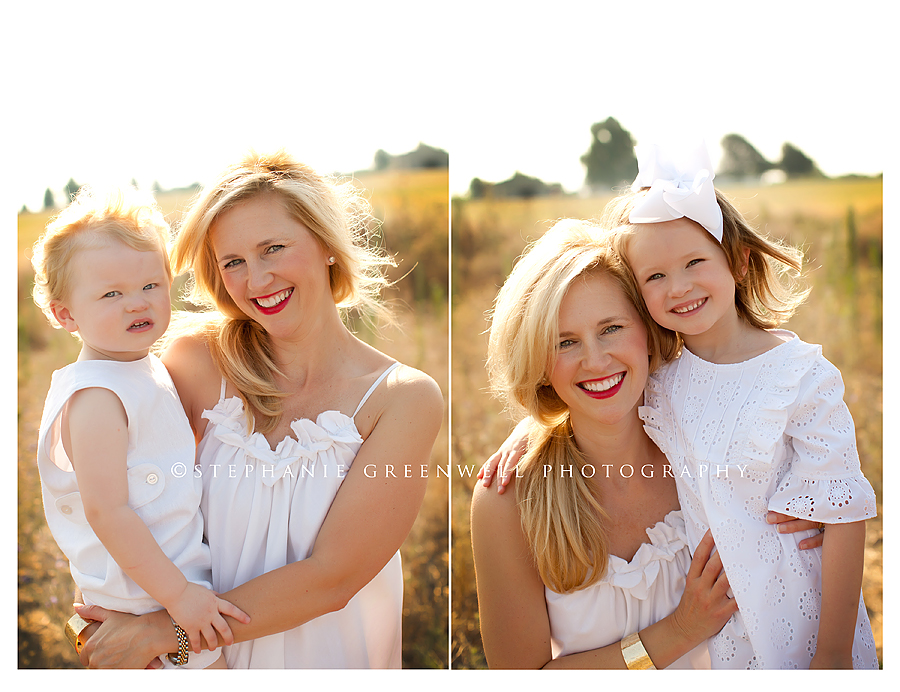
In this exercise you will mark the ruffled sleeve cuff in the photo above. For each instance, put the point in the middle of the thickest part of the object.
(831, 501)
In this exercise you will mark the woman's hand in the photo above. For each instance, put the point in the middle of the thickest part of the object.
(504, 460)
(789, 524)
(705, 606)
(126, 641)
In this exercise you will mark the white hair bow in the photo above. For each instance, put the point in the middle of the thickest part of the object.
(680, 186)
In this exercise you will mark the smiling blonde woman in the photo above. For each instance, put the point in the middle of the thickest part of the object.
(585, 564)
(289, 407)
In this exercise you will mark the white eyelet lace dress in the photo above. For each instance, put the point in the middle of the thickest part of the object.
(263, 510)
(771, 433)
(631, 595)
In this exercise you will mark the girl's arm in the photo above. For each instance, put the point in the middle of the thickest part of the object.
(95, 428)
(842, 569)
(505, 459)
(515, 446)
(825, 464)
(366, 524)
(515, 626)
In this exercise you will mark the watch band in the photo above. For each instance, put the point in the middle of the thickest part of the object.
(180, 657)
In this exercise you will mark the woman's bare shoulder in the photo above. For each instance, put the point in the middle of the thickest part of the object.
(196, 377)
(188, 353)
(492, 507)
(408, 381)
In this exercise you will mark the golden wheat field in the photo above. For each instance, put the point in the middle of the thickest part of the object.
(413, 206)
(839, 225)
(837, 222)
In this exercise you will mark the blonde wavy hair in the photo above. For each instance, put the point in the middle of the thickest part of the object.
(339, 217)
(774, 285)
(93, 218)
(562, 518)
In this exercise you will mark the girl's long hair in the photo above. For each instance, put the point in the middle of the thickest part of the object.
(562, 517)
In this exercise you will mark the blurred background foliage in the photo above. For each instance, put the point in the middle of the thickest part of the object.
(411, 200)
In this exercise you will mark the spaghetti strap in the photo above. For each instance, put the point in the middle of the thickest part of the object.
(372, 388)
(222, 392)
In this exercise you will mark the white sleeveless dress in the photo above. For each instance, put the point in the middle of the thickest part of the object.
(633, 594)
(263, 510)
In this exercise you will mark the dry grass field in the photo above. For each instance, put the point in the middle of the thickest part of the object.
(414, 210)
(839, 225)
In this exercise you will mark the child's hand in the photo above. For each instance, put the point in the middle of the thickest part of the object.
(504, 460)
(789, 524)
(199, 611)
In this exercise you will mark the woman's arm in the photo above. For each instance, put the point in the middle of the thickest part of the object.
(366, 524)
(515, 627)
(842, 566)
(702, 611)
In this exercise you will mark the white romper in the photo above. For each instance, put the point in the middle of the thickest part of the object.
(631, 596)
(162, 489)
(770, 433)
(264, 509)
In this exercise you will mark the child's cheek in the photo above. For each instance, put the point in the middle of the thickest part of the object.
(654, 307)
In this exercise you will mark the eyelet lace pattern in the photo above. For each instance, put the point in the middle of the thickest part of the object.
(771, 433)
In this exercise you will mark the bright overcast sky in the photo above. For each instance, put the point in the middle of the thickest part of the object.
(172, 91)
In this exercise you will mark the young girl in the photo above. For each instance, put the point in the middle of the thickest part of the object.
(116, 452)
(752, 420)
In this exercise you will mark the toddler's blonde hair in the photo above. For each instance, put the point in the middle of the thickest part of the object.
(95, 216)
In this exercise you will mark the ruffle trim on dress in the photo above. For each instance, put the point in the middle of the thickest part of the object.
(330, 429)
(659, 422)
(795, 359)
(832, 501)
(636, 576)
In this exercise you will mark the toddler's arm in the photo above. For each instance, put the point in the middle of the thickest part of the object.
(96, 428)
(842, 567)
